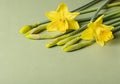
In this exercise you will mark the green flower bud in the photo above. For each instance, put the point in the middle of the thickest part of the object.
(78, 46)
(25, 29)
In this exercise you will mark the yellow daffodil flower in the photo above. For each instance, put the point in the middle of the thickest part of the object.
(61, 19)
(102, 33)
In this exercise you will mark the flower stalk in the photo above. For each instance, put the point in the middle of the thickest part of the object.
(89, 4)
(99, 9)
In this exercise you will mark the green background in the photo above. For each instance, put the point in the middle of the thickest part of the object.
(24, 61)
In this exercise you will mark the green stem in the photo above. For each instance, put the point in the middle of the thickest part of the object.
(116, 24)
(114, 17)
(99, 9)
(113, 22)
(113, 14)
(116, 29)
(114, 4)
(86, 5)
(94, 9)
(44, 22)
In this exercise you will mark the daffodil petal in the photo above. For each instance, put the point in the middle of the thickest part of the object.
(100, 42)
(62, 8)
(73, 25)
(60, 26)
(99, 20)
(87, 34)
(52, 26)
(71, 16)
(52, 15)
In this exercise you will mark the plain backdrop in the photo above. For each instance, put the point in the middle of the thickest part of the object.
(25, 61)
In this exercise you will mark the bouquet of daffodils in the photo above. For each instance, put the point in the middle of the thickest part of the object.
(75, 32)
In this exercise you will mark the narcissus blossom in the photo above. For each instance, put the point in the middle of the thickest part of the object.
(98, 31)
(62, 20)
